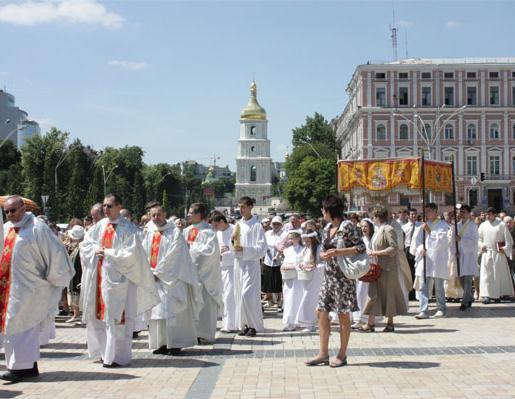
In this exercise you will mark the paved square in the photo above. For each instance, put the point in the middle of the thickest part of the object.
(466, 355)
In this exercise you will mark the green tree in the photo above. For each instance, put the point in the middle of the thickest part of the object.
(10, 169)
(315, 130)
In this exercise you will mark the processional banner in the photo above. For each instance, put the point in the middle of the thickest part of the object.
(389, 174)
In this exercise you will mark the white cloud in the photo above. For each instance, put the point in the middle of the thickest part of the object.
(130, 65)
(31, 13)
(452, 24)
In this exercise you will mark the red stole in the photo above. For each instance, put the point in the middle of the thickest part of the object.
(107, 242)
(192, 235)
(5, 274)
(154, 251)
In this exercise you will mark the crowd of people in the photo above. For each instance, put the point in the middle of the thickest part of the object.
(116, 276)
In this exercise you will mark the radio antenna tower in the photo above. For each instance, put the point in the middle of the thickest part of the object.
(393, 30)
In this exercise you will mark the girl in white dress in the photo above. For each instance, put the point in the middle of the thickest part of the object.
(310, 275)
(292, 291)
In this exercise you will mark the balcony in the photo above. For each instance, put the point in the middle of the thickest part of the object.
(497, 178)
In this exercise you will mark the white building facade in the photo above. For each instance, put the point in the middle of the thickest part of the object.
(466, 106)
(253, 161)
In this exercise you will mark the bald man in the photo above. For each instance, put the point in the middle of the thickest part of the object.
(34, 269)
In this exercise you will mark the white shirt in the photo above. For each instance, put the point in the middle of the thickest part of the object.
(409, 232)
(224, 240)
(274, 243)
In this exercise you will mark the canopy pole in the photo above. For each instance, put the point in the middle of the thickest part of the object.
(423, 190)
(455, 220)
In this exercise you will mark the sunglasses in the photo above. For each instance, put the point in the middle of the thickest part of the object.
(108, 206)
(8, 211)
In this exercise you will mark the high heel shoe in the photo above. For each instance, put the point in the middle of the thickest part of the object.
(368, 328)
(338, 362)
(317, 361)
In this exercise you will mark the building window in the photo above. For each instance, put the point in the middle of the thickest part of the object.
(253, 173)
(513, 164)
(471, 132)
(471, 95)
(449, 132)
(494, 131)
(449, 96)
(252, 130)
(513, 95)
(403, 132)
(471, 75)
(403, 75)
(448, 75)
(380, 132)
(252, 148)
(513, 131)
(426, 96)
(513, 74)
(493, 75)
(471, 165)
(380, 97)
(426, 75)
(495, 165)
(403, 96)
(472, 198)
(427, 131)
(494, 95)
(380, 75)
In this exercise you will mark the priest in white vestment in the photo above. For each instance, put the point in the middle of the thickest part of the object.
(172, 322)
(468, 240)
(495, 243)
(224, 232)
(34, 269)
(250, 249)
(117, 285)
(436, 255)
(205, 254)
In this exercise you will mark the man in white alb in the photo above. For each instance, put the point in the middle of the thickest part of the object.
(117, 285)
(34, 269)
(172, 322)
(252, 248)
(205, 254)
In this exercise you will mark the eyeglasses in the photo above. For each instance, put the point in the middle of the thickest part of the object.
(108, 206)
(12, 210)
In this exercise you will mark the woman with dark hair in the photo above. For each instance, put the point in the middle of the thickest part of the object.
(338, 293)
(385, 296)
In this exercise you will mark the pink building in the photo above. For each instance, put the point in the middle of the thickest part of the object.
(455, 109)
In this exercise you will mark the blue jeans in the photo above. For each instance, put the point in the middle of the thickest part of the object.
(439, 290)
(466, 283)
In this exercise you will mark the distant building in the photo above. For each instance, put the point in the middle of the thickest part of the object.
(253, 161)
(14, 124)
(201, 171)
(467, 105)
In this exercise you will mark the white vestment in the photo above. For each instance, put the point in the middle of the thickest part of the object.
(128, 290)
(437, 250)
(292, 288)
(172, 322)
(205, 254)
(468, 247)
(40, 269)
(310, 289)
(248, 268)
(495, 280)
(228, 276)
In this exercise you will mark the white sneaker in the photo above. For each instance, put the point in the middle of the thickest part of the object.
(421, 316)
(73, 319)
(309, 329)
(439, 314)
(289, 328)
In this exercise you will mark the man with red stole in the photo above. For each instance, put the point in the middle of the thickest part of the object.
(117, 285)
(172, 322)
(34, 269)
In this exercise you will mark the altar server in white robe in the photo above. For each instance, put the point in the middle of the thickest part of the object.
(292, 288)
(436, 257)
(496, 243)
(249, 247)
(224, 233)
(117, 285)
(172, 322)
(310, 276)
(205, 254)
(34, 269)
(468, 240)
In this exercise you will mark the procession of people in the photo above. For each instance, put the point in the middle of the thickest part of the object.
(177, 278)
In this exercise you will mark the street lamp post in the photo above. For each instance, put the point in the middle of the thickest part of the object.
(106, 178)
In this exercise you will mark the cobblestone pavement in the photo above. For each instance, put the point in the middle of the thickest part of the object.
(466, 355)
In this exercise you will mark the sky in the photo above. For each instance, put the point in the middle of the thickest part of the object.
(173, 76)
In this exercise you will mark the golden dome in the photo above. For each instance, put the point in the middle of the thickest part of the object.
(253, 110)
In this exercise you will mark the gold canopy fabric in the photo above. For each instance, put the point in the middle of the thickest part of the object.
(29, 204)
(388, 174)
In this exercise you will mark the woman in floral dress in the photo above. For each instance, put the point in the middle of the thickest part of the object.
(338, 293)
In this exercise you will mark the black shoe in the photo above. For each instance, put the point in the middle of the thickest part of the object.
(135, 334)
(498, 300)
(19, 375)
(11, 377)
(111, 366)
(244, 331)
(463, 307)
(161, 351)
(251, 332)
(487, 301)
(174, 351)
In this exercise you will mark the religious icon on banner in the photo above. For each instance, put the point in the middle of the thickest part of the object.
(378, 179)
